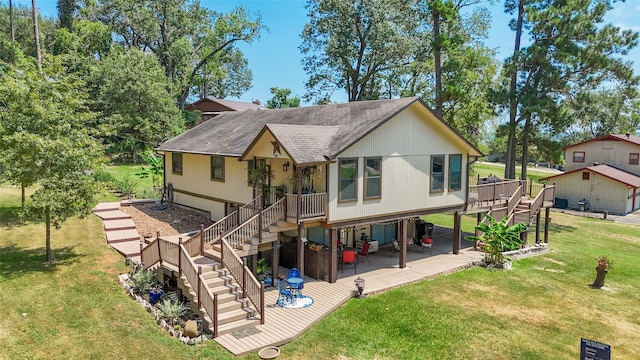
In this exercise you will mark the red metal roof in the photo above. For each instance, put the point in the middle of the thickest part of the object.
(608, 171)
(612, 137)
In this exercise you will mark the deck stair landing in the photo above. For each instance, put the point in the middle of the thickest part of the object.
(120, 230)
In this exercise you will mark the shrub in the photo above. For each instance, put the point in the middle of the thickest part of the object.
(499, 237)
(172, 310)
(143, 280)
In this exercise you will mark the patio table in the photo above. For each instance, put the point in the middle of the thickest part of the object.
(295, 285)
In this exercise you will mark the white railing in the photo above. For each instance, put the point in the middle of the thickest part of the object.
(312, 205)
(239, 236)
(273, 213)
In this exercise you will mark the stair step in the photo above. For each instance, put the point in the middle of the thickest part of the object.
(234, 315)
(116, 236)
(237, 325)
(224, 289)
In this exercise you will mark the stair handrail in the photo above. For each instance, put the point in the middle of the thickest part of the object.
(204, 297)
(238, 236)
(213, 233)
(251, 287)
(273, 213)
(514, 200)
(150, 254)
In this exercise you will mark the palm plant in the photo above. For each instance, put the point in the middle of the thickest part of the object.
(498, 237)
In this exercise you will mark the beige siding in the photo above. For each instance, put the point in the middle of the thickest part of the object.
(196, 179)
(405, 144)
(601, 192)
(603, 152)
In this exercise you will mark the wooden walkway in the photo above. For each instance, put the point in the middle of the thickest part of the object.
(283, 325)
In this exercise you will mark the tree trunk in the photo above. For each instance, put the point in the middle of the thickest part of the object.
(34, 13)
(437, 50)
(24, 197)
(510, 156)
(12, 30)
(47, 223)
(599, 281)
(525, 147)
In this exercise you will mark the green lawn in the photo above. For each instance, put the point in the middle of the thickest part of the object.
(74, 308)
(485, 169)
(127, 173)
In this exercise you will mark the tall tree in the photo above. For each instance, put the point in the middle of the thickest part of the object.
(46, 140)
(281, 99)
(66, 8)
(36, 34)
(184, 36)
(129, 90)
(570, 52)
(353, 45)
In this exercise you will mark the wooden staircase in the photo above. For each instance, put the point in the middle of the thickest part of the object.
(210, 269)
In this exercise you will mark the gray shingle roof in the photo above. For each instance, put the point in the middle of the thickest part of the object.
(306, 144)
(230, 133)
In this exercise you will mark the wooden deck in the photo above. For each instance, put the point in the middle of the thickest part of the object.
(284, 325)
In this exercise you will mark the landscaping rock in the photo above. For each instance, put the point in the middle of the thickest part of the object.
(191, 328)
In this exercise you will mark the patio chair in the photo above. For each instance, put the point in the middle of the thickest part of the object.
(285, 296)
(396, 246)
(295, 290)
(427, 242)
(349, 257)
(364, 252)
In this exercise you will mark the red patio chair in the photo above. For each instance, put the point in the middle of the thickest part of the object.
(364, 252)
(349, 257)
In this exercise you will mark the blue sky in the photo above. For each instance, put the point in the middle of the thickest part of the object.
(275, 58)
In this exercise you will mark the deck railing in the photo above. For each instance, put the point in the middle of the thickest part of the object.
(150, 254)
(239, 236)
(494, 193)
(242, 214)
(251, 287)
(273, 213)
(312, 205)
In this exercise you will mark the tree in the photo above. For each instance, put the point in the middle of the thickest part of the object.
(21, 20)
(66, 8)
(569, 53)
(184, 36)
(281, 100)
(129, 90)
(226, 75)
(47, 140)
(353, 45)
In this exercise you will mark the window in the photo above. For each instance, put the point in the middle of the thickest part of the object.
(372, 178)
(437, 173)
(585, 175)
(578, 156)
(633, 158)
(348, 179)
(261, 168)
(455, 172)
(176, 163)
(217, 168)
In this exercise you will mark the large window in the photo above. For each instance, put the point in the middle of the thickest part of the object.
(348, 179)
(217, 168)
(373, 177)
(455, 172)
(633, 158)
(578, 156)
(437, 173)
(176, 163)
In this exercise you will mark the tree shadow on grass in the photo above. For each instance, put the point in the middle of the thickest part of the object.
(10, 217)
(561, 228)
(16, 261)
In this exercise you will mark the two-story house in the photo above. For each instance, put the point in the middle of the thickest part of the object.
(366, 167)
(601, 174)
(210, 107)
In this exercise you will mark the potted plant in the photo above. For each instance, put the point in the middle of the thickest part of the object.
(604, 264)
(498, 237)
(261, 270)
(155, 293)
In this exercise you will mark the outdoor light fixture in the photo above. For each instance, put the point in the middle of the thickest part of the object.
(359, 285)
(285, 167)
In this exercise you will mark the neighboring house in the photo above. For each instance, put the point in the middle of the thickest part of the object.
(601, 174)
(620, 150)
(365, 167)
(210, 107)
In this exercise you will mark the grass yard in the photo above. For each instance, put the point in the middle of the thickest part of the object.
(485, 169)
(74, 308)
(125, 174)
